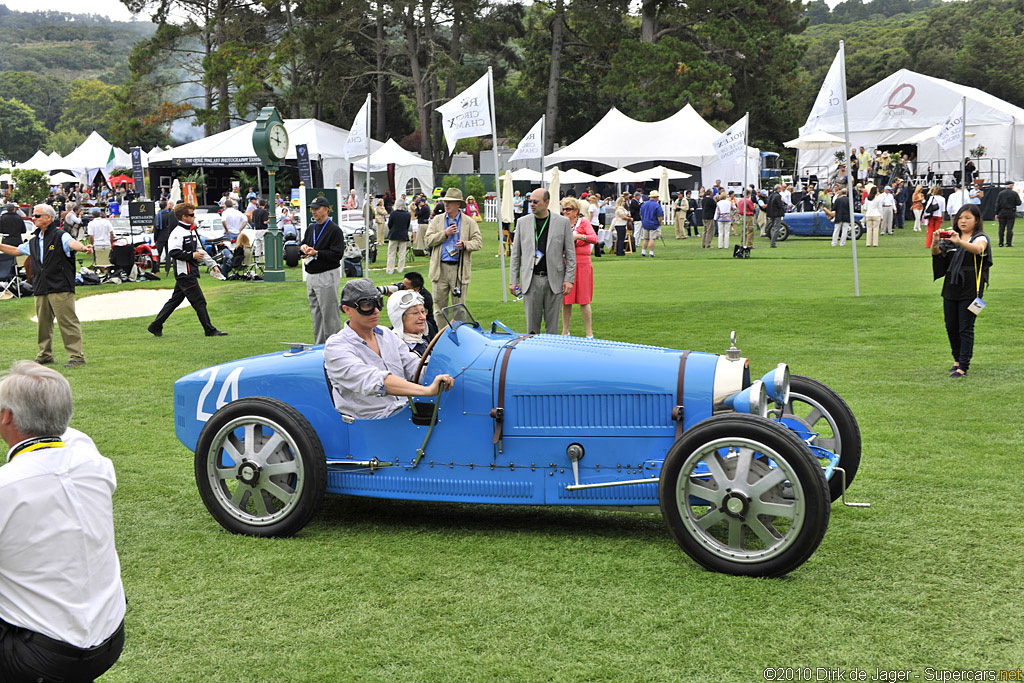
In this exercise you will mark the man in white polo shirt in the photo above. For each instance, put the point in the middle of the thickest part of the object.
(62, 604)
(234, 221)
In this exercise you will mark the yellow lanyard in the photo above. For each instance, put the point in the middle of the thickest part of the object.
(36, 447)
(977, 268)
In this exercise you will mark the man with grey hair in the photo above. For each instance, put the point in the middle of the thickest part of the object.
(62, 604)
(53, 284)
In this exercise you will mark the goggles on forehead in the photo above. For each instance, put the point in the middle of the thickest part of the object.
(406, 298)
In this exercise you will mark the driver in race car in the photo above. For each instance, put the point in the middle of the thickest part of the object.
(370, 369)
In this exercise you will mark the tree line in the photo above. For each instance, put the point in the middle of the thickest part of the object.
(216, 62)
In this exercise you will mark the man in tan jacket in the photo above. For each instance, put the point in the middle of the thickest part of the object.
(452, 237)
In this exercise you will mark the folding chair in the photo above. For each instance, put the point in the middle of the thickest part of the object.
(11, 275)
(252, 268)
(101, 260)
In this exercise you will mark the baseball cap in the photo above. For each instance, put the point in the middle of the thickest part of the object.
(320, 202)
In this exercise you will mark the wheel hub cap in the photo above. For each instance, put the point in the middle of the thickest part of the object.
(736, 505)
(249, 473)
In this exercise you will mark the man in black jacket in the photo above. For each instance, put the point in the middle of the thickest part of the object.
(707, 210)
(1006, 211)
(398, 236)
(261, 216)
(53, 283)
(775, 211)
(165, 223)
(841, 217)
(185, 247)
(323, 247)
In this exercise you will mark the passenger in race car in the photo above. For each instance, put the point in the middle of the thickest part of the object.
(370, 369)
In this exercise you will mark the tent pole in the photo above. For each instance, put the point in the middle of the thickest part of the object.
(963, 156)
(259, 181)
(543, 124)
(849, 176)
(746, 134)
(497, 183)
(368, 208)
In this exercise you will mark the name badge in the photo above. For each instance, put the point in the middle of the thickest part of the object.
(977, 306)
(537, 256)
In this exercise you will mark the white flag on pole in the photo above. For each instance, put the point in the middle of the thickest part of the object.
(467, 115)
(830, 101)
(732, 142)
(531, 146)
(952, 131)
(356, 144)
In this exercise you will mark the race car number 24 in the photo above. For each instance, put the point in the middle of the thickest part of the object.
(229, 386)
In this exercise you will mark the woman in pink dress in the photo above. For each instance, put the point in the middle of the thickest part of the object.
(472, 210)
(583, 289)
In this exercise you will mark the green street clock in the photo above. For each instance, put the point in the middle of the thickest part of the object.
(269, 138)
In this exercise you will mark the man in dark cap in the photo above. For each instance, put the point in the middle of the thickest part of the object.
(369, 368)
(323, 247)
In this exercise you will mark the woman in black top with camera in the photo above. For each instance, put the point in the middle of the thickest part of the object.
(963, 256)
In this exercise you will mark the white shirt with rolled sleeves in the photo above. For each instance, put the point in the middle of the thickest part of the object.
(59, 570)
(234, 221)
(101, 231)
(357, 373)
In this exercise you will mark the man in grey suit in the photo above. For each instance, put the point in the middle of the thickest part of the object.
(543, 263)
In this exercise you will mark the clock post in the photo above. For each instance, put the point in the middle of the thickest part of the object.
(270, 141)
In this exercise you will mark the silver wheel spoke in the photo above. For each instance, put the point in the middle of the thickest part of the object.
(759, 507)
(735, 533)
(768, 536)
(276, 491)
(250, 438)
(260, 503)
(715, 467)
(710, 519)
(231, 450)
(226, 472)
(290, 467)
(238, 499)
(813, 416)
(776, 476)
(269, 448)
(743, 465)
(711, 495)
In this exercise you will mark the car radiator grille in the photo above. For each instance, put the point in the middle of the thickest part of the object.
(593, 411)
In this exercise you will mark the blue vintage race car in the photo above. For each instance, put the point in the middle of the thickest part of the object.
(815, 224)
(684, 433)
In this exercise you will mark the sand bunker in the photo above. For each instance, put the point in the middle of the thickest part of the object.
(134, 303)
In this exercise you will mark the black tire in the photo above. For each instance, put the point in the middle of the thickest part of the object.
(858, 230)
(833, 420)
(291, 255)
(720, 527)
(782, 234)
(244, 497)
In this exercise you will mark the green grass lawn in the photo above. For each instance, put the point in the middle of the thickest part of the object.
(929, 576)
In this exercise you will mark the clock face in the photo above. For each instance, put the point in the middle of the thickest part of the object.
(278, 141)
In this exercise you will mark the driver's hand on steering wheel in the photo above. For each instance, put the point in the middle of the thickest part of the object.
(446, 379)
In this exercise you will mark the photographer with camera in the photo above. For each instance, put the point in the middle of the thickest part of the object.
(962, 256)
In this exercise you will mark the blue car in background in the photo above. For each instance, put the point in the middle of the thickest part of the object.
(743, 470)
(815, 224)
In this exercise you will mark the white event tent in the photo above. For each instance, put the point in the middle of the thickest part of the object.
(408, 167)
(233, 148)
(93, 156)
(38, 162)
(685, 137)
(906, 103)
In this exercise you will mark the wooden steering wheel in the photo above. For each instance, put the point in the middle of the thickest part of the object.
(430, 347)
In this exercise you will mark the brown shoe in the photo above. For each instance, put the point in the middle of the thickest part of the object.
(48, 361)
(74, 363)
